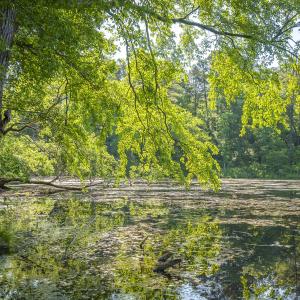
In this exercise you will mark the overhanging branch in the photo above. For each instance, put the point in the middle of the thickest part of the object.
(188, 22)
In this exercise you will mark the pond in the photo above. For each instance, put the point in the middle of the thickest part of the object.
(156, 241)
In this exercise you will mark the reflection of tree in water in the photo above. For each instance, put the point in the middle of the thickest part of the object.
(264, 262)
(77, 248)
(196, 245)
(51, 245)
(72, 248)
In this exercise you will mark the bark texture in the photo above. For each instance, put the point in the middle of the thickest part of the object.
(7, 31)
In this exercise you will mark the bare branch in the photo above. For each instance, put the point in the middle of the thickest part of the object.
(15, 129)
(184, 20)
(284, 27)
(51, 183)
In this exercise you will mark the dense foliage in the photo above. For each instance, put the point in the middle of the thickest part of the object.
(65, 97)
(260, 151)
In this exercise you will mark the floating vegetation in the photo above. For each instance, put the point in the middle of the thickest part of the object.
(84, 246)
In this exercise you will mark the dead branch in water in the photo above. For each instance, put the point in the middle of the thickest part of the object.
(51, 183)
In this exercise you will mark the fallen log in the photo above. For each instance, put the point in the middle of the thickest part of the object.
(5, 181)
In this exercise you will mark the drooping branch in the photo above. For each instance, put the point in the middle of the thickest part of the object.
(37, 51)
(156, 79)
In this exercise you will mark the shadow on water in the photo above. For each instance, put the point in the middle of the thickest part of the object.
(73, 246)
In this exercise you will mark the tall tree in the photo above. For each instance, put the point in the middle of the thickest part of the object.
(60, 96)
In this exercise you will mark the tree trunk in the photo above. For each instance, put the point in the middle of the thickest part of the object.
(7, 30)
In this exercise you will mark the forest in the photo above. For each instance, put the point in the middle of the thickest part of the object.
(110, 109)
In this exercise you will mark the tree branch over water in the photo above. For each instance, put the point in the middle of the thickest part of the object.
(51, 183)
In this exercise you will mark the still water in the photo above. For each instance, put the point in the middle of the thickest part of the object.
(155, 241)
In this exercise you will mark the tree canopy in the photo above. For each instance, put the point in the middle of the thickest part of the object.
(65, 96)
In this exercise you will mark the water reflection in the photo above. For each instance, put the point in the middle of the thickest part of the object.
(73, 247)
(187, 250)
